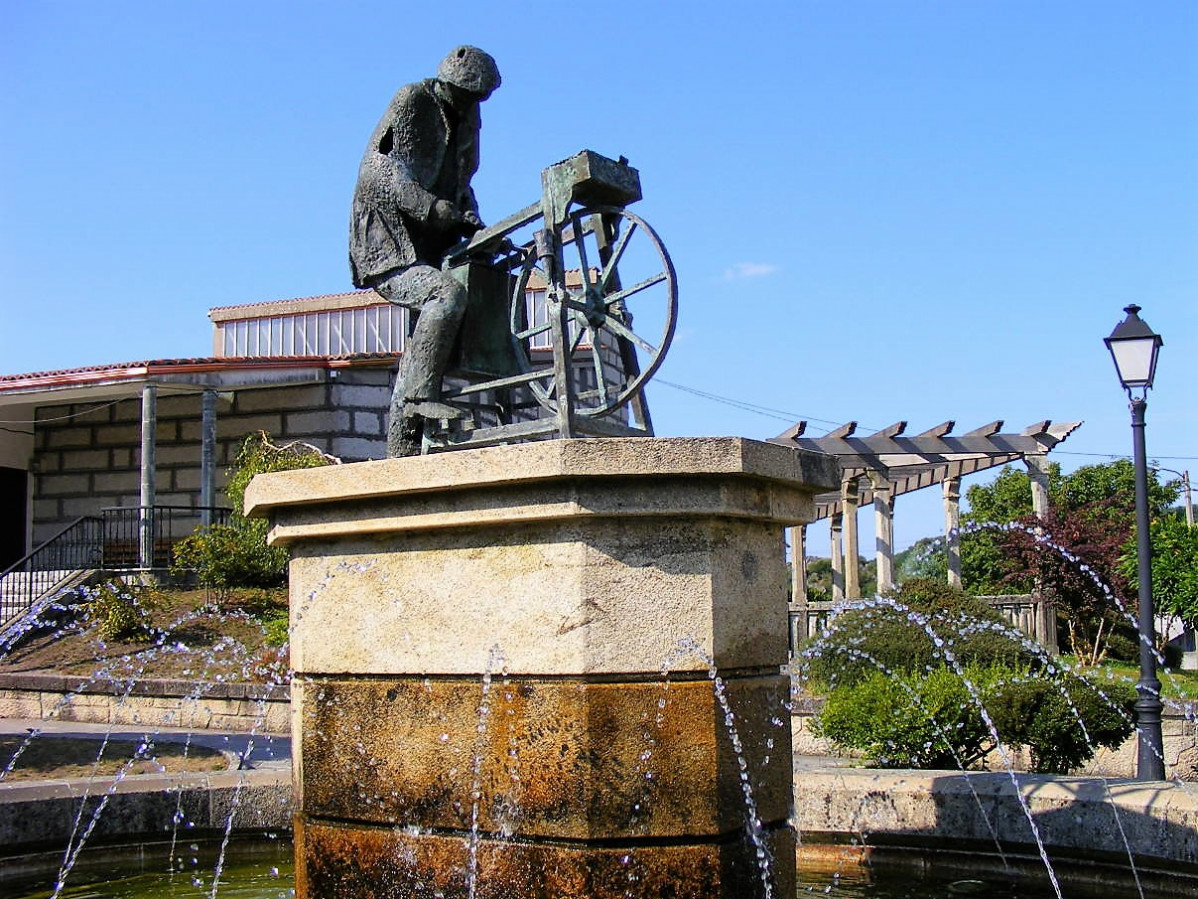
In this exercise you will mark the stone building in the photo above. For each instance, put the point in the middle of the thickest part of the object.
(93, 441)
(106, 441)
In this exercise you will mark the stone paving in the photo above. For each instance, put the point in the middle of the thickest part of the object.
(246, 751)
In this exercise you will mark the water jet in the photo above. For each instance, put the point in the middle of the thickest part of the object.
(425, 766)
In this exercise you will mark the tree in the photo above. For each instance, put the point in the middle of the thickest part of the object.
(1074, 554)
(984, 569)
(1174, 567)
(819, 578)
(925, 558)
(1114, 480)
(1076, 564)
(1008, 497)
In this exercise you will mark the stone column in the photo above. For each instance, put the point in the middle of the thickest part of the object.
(835, 532)
(1046, 617)
(1037, 469)
(145, 515)
(884, 530)
(207, 456)
(515, 668)
(798, 587)
(849, 496)
(952, 528)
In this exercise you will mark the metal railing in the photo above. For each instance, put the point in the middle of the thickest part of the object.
(77, 547)
(145, 536)
(118, 539)
(1029, 612)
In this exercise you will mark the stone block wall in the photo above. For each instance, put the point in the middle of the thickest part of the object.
(87, 456)
(249, 708)
(1096, 822)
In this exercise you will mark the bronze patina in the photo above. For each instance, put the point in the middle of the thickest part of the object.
(511, 342)
(413, 202)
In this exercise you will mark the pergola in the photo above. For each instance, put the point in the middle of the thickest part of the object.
(879, 467)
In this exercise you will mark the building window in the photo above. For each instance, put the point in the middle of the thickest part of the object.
(335, 332)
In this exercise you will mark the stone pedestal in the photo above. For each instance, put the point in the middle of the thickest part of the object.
(544, 670)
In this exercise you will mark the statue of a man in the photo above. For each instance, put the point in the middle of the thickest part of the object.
(412, 203)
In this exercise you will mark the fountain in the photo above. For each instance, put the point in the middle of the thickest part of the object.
(480, 707)
(550, 669)
(462, 768)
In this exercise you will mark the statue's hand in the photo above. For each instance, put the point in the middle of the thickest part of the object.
(471, 222)
(444, 215)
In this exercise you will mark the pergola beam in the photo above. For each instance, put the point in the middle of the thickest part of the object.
(911, 478)
(925, 459)
(879, 467)
(934, 445)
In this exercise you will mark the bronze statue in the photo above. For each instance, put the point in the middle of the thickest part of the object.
(412, 203)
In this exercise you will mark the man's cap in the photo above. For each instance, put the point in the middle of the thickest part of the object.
(470, 69)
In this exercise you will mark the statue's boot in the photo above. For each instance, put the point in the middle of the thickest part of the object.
(406, 439)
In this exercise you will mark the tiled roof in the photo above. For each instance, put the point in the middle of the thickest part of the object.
(119, 371)
(113, 367)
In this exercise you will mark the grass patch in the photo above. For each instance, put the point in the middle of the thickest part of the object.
(187, 635)
(1175, 683)
(57, 758)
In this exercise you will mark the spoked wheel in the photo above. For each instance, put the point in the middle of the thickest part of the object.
(623, 275)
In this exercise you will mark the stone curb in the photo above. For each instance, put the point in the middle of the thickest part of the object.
(68, 683)
(244, 707)
(1073, 814)
(1077, 814)
(43, 814)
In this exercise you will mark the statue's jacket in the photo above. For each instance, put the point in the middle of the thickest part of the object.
(421, 151)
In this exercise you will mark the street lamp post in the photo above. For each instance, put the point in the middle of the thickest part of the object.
(1134, 347)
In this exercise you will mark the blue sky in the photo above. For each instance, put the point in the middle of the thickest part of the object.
(878, 210)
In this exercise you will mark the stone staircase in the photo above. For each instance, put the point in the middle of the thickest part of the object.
(17, 587)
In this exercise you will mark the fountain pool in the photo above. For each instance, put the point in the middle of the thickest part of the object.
(549, 688)
(264, 869)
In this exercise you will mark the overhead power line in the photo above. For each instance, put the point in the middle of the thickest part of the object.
(162, 388)
(1121, 455)
(792, 417)
(767, 411)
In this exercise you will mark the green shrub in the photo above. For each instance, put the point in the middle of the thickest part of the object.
(907, 721)
(1064, 720)
(880, 637)
(236, 554)
(935, 720)
(1123, 643)
(121, 614)
(277, 630)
